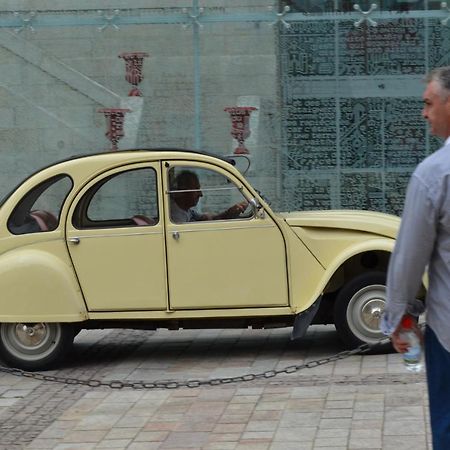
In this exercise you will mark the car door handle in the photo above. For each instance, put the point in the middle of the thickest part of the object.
(176, 235)
(74, 240)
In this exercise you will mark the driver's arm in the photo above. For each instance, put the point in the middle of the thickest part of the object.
(232, 212)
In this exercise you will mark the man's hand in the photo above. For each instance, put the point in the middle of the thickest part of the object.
(400, 345)
(236, 210)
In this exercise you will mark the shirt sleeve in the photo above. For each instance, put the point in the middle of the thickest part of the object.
(412, 252)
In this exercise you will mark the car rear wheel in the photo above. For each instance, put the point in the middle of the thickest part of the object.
(358, 309)
(34, 346)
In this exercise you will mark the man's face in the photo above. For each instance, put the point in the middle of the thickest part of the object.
(436, 110)
(192, 198)
(187, 200)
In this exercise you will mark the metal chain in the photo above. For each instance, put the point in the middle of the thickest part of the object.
(172, 384)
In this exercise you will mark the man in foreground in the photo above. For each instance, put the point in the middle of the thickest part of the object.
(424, 240)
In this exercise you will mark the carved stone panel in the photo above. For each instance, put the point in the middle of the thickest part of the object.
(311, 133)
(392, 47)
(352, 109)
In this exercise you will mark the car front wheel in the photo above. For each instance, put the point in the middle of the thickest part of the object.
(34, 346)
(358, 309)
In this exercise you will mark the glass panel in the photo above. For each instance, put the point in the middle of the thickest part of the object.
(336, 86)
(240, 98)
(352, 110)
(392, 47)
(125, 199)
(39, 210)
(438, 43)
(203, 195)
(57, 79)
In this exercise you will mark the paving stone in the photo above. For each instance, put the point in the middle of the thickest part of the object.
(235, 418)
(369, 433)
(331, 442)
(326, 409)
(230, 427)
(404, 443)
(220, 446)
(404, 427)
(295, 434)
(122, 433)
(151, 436)
(114, 443)
(96, 421)
(271, 406)
(364, 443)
(77, 446)
(294, 419)
(129, 421)
(267, 415)
(84, 436)
(144, 446)
(367, 423)
(267, 436)
(336, 423)
(301, 445)
(252, 445)
(331, 433)
(337, 413)
(185, 440)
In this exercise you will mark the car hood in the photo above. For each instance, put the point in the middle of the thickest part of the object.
(368, 221)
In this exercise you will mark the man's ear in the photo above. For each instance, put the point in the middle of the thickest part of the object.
(447, 105)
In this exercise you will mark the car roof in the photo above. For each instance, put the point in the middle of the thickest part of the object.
(88, 156)
(143, 150)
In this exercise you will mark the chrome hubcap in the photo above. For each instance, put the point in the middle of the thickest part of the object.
(364, 313)
(371, 313)
(31, 336)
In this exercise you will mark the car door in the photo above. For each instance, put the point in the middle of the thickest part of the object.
(217, 256)
(116, 240)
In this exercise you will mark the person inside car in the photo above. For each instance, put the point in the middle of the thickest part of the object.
(185, 199)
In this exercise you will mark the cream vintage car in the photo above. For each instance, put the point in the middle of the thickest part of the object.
(109, 240)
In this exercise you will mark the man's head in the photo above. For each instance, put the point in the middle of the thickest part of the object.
(436, 98)
(187, 181)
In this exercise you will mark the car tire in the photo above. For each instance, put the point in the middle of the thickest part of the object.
(34, 346)
(358, 308)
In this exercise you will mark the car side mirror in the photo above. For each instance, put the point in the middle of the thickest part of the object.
(257, 208)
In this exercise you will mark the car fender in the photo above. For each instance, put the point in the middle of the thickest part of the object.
(376, 244)
(38, 286)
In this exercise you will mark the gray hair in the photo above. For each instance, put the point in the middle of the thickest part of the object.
(442, 76)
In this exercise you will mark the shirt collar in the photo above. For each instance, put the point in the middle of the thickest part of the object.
(447, 141)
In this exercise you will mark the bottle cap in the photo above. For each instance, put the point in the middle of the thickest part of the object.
(407, 322)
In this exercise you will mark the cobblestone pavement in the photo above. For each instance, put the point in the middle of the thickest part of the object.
(361, 402)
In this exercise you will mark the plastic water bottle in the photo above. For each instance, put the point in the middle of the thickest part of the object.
(413, 356)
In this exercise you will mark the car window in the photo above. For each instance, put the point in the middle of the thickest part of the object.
(198, 194)
(40, 209)
(123, 199)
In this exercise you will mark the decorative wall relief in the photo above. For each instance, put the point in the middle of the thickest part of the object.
(134, 62)
(352, 109)
(115, 118)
